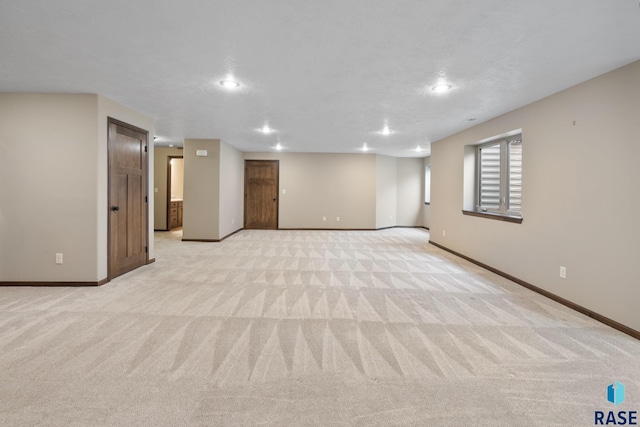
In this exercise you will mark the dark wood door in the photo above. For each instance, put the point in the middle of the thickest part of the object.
(128, 233)
(261, 194)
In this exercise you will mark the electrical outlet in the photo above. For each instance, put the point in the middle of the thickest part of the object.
(444, 233)
(563, 272)
(324, 218)
(338, 218)
(59, 259)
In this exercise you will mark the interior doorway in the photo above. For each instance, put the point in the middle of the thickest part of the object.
(128, 232)
(175, 191)
(261, 194)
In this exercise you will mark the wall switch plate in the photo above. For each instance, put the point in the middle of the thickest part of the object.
(563, 272)
(59, 259)
(284, 191)
(338, 218)
(444, 233)
(324, 218)
(233, 221)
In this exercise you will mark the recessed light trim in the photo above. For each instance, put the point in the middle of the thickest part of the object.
(229, 83)
(385, 131)
(365, 148)
(278, 146)
(266, 129)
(442, 87)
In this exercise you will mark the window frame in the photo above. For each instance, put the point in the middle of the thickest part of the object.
(427, 184)
(504, 208)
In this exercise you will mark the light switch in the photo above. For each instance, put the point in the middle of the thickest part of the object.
(201, 153)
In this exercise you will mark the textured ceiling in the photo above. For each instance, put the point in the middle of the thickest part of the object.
(326, 74)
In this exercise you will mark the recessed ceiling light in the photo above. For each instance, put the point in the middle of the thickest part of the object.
(266, 129)
(170, 145)
(278, 146)
(442, 87)
(418, 149)
(364, 147)
(385, 130)
(229, 83)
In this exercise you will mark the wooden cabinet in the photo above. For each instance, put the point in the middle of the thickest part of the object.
(175, 214)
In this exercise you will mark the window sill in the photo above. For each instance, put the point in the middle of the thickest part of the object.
(496, 216)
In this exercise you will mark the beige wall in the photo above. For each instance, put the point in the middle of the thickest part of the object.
(409, 192)
(426, 211)
(213, 190)
(161, 155)
(201, 207)
(366, 191)
(48, 184)
(177, 179)
(386, 195)
(231, 190)
(579, 196)
(330, 185)
(54, 190)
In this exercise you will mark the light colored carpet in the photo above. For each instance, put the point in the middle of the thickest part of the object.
(305, 328)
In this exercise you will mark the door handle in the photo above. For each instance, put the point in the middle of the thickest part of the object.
(115, 208)
(274, 199)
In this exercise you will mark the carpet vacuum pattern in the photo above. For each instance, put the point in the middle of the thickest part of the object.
(326, 328)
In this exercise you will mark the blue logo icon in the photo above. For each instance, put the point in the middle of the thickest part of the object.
(615, 393)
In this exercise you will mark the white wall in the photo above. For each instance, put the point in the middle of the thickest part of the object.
(231, 190)
(580, 204)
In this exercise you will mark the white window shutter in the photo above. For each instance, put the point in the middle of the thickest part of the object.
(489, 185)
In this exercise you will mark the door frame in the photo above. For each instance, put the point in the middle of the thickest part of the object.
(168, 195)
(145, 176)
(277, 163)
